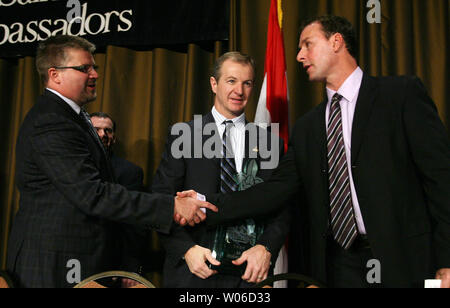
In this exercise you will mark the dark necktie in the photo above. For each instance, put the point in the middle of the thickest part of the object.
(227, 162)
(343, 224)
(87, 119)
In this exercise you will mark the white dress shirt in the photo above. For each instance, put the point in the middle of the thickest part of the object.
(70, 102)
(349, 91)
(237, 135)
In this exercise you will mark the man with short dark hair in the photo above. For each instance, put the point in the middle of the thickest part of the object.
(133, 242)
(69, 204)
(372, 163)
(126, 173)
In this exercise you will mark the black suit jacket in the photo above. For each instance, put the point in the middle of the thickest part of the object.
(401, 171)
(203, 176)
(68, 203)
(127, 174)
(133, 242)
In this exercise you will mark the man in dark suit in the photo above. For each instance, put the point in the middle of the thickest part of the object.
(372, 163)
(126, 173)
(133, 243)
(69, 204)
(189, 250)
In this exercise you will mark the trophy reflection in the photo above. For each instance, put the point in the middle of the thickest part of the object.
(230, 241)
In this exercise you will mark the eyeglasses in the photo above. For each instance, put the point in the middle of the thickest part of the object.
(87, 68)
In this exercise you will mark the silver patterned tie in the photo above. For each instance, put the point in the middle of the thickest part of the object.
(227, 162)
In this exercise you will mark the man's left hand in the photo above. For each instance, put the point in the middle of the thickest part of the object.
(258, 263)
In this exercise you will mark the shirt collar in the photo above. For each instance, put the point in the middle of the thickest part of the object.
(350, 87)
(219, 118)
(70, 102)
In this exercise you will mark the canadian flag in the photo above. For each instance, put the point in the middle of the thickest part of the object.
(273, 100)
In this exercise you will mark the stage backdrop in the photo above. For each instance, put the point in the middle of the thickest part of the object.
(146, 89)
(131, 23)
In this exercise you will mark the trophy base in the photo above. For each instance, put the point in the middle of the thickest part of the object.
(228, 268)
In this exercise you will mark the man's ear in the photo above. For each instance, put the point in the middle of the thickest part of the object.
(338, 42)
(213, 83)
(54, 75)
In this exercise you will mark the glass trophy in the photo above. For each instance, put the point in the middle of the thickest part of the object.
(231, 241)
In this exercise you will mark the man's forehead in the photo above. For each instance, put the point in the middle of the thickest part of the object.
(235, 64)
(100, 120)
(233, 69)
(310, 31)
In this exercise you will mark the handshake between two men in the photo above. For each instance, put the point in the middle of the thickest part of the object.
(189, 210)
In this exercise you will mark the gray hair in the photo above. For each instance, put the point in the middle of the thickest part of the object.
(234, 56)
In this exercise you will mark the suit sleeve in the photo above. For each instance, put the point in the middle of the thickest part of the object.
(261, 200)
(277, 228)
(169, 179)
(430, 148)
(60, 150)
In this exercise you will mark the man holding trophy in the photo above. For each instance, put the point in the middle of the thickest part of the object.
(228, 256)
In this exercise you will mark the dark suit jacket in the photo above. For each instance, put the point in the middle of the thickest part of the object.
(127, 174)
(68, 203)
(136, 242)
(203, 176)
(133, 242)
(401, 171)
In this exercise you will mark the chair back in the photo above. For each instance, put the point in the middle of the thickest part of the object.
(94, 282)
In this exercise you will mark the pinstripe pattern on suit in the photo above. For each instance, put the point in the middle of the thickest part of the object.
(69, 204)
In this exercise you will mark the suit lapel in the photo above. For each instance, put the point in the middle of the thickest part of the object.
(320, 135)
(247, 147)
(320, 132)
(76, 117)
(367, 95)
(209, 119)
(62, 104)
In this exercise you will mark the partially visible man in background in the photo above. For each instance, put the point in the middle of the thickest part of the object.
(134, 243)
(139, 253)
(127, 174)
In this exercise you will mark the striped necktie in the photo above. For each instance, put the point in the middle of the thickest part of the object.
(227, 162)
(343, 224)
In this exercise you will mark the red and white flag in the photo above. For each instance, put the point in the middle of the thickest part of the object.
(273, 100)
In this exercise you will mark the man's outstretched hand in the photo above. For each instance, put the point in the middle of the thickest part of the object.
(188, 210)
(187, 193)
